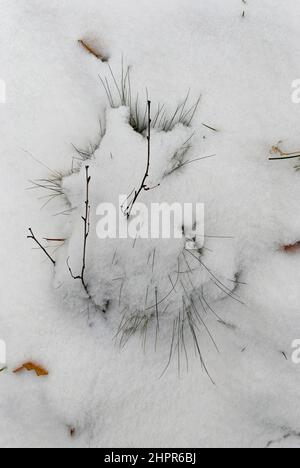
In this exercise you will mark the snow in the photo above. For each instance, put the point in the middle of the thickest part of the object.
(96, 394)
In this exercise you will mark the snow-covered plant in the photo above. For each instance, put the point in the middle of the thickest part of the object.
(144, 285)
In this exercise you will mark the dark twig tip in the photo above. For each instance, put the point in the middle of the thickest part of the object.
(32, 236)
(86, 220)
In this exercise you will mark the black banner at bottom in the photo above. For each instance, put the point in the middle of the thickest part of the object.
(137, 457)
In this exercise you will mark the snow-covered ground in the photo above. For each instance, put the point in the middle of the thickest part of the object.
(242, 58)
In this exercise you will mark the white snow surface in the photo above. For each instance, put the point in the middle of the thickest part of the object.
(243, 67)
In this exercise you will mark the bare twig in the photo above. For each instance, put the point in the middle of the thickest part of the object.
(143, 187)
(32, 236)
(86, 221)
(283, 155)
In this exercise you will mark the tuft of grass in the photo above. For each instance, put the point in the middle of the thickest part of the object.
(189, 323)
(86, 154)
(130, 325)
(52, 185)
(178, 157)
(119, 93)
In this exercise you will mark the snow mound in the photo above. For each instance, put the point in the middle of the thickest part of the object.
(138, 279)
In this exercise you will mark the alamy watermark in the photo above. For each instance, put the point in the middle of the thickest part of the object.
(296, 352)
(156, 221)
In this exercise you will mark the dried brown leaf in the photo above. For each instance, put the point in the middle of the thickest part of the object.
(30, 366)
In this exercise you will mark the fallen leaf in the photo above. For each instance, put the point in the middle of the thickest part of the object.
(292, 248)
(30, 366)
(91, 50)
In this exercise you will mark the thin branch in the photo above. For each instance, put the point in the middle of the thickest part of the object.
(86, 221)
(283, 155)
(32, 236)
(143, 186)
(284, 158)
